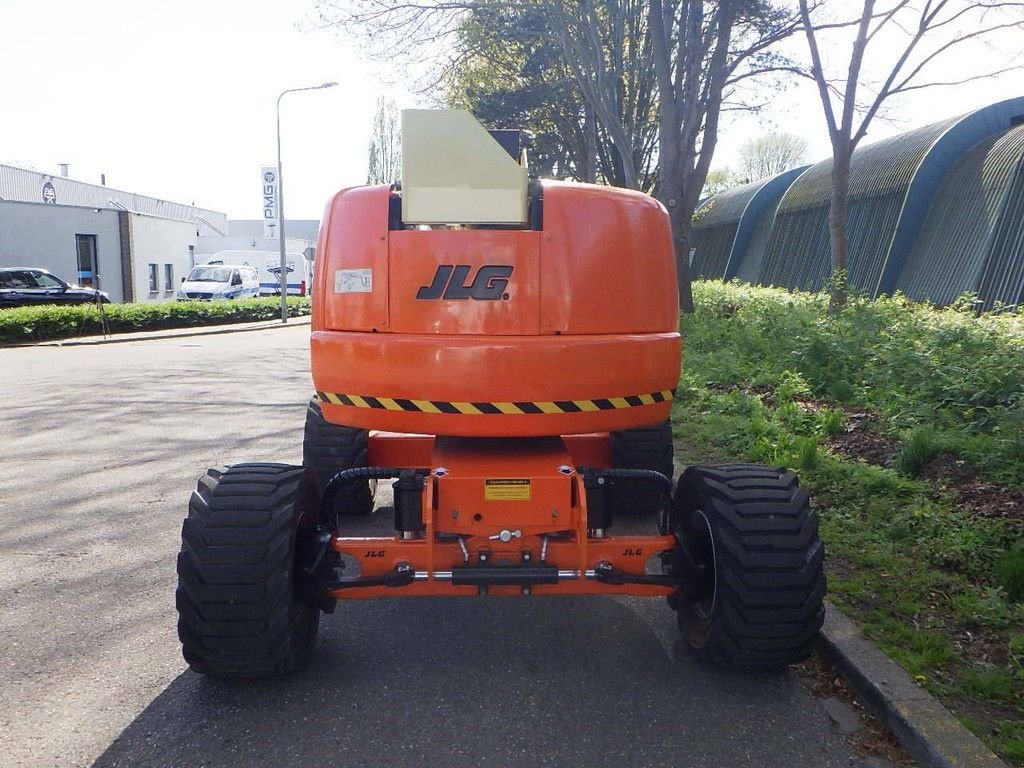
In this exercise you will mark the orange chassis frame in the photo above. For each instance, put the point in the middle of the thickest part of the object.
(477, 489)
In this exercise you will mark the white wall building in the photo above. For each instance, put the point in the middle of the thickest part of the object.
(208, 245)
(80, 245)
(247, 234)
(134, 247)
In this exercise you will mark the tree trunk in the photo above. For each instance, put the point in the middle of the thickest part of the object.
(589, 144)
(681, 231)
(682, 223)
(837, 217)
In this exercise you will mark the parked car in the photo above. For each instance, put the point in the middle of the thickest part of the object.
(27, 286)
(268, 265)
(219, 281)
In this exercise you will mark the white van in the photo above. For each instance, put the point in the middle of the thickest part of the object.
(219, 281)
(268, 264)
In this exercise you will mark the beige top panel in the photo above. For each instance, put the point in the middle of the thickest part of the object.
(453, 172)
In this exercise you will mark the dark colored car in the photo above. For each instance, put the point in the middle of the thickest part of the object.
(26, 286)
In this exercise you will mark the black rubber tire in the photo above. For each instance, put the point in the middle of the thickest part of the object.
(641, 448)
(753, 527)
(240, 611)
(328, 449)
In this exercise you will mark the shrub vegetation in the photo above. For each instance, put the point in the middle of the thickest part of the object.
(27, 325)
(906, 423)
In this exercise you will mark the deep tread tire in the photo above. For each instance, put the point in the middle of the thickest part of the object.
(238, 614)
(756, 526)
(641, 448)
(328, 449)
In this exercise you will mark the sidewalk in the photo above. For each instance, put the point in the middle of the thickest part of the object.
(120, 338)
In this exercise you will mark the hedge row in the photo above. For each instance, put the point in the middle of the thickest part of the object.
(26, 325)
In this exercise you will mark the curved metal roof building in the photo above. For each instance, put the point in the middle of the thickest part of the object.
(973, 238)
(963, 175)
(714, 229)
(732, 228)
(798, 252)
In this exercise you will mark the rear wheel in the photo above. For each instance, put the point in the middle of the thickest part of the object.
(330, 448)
(751, 532)
(242, 611)
(641, 448)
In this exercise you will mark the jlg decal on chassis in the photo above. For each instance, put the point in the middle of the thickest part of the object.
(507, 489)
(449, 282)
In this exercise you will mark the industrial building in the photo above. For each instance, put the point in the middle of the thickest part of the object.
(935, 213)
(731, 229)
(247, 234)
(134, 247)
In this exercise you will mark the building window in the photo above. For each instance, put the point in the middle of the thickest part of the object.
(88, 274)
(168, 277)
(154, 278)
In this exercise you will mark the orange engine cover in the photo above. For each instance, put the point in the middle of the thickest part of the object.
(568, 329)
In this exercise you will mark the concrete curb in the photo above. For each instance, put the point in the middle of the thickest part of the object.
(174, 333)
(922, 725)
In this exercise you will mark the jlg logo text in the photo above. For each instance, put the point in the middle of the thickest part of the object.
(450, 282)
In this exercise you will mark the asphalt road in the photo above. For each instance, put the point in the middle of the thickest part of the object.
(100, 448)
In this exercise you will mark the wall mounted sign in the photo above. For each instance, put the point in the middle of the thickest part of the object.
(268, 175)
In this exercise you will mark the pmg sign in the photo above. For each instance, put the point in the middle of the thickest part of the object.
(271, 189)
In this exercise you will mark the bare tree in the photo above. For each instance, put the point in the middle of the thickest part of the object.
(771, 154)
(907, 38)
(385, 164)
(418, 43)
(702, 54)
(515, 73)
(607, 46)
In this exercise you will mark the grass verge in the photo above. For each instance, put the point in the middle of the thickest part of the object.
(27, 325)
(906, 423)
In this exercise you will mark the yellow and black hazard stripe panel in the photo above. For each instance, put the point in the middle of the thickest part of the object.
(519, 408)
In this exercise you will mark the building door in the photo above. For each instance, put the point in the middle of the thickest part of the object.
(88, 273)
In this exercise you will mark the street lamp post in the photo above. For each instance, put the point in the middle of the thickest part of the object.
(280, 198)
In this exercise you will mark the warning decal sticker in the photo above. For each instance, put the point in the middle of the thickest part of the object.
(507, 489)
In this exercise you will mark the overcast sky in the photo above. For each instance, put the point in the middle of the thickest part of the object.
(176, 100)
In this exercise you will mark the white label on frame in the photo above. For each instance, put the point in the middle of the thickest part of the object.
(353, 281)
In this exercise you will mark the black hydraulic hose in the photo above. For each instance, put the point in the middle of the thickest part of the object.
(639, 475)
(348, 476)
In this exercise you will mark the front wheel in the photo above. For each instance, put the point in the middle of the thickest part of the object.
(242, 607)
(754, 539)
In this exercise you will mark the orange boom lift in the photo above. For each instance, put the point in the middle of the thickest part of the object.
(505, 353)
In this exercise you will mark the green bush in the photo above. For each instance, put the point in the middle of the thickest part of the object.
(27, 325)
(955, 376)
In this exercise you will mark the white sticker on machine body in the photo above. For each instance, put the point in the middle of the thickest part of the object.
(353, 281)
